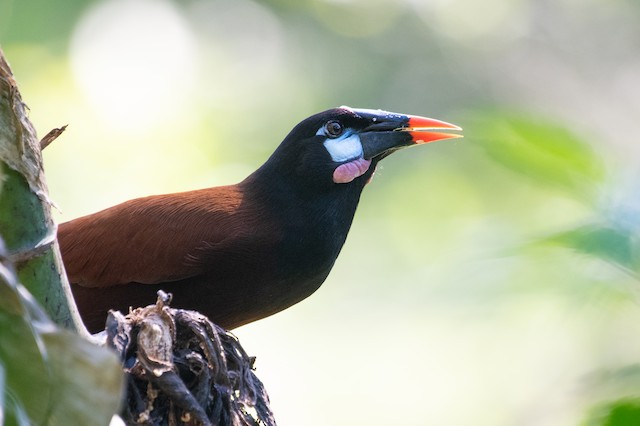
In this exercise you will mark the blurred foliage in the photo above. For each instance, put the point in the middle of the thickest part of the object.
(50, 376)
(541, 150)
(552, 156)
(502, 268)
(618, 246)
(619, 413)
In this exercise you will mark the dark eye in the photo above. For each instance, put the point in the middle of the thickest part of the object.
(333, 129)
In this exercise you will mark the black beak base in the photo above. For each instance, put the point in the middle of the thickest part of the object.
(380, 144)
(388, 131)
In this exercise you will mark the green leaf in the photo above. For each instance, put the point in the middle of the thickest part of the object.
(15, 414)
(618, 246)
(52, 376)
(23, 355)
(625, 412)
(88, 380)
(546, 152)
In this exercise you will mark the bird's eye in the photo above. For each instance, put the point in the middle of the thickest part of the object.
(333, 129)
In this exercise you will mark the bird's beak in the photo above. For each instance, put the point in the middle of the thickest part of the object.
(389, 132)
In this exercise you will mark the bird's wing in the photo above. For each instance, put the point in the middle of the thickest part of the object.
(149, 240)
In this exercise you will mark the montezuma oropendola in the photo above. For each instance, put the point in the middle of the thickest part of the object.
(241, 252)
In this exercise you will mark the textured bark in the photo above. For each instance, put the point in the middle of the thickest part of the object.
(25, 209)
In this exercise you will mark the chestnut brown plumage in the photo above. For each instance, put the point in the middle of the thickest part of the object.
(241, 252)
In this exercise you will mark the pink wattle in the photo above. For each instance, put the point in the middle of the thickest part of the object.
(347, 172)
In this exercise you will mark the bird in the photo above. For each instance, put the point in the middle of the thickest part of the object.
(242, 252)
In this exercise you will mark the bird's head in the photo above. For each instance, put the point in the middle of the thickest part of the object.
(342, 145)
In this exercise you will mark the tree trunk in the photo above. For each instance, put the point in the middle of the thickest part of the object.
(25, 209)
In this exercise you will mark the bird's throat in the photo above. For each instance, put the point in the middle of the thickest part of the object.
(347, 172)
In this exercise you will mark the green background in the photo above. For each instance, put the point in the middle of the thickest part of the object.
(490, 280)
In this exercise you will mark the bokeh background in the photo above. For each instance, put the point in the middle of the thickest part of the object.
(491, 280)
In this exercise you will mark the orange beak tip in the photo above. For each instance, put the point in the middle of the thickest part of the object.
(421, 137)
(425, 130)
(417, 123)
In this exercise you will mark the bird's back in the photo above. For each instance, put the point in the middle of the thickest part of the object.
(234, 253)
